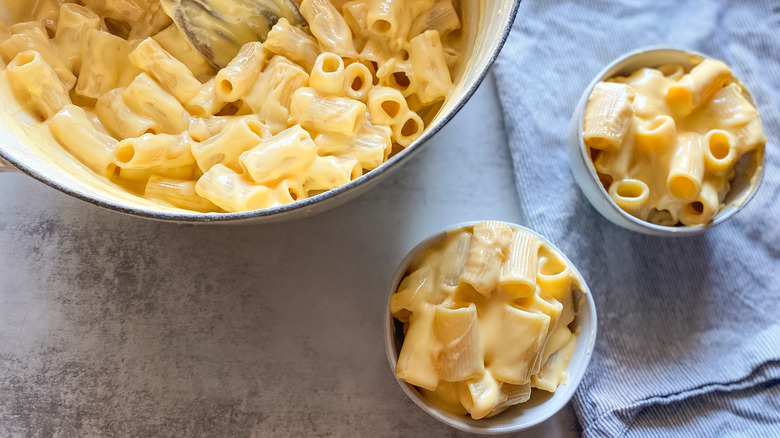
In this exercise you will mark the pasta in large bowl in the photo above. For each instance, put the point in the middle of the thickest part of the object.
(107, 101)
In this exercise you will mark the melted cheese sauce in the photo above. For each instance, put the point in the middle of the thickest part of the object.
(662, 141)
(515, 345)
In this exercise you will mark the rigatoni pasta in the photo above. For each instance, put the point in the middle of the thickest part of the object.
(478, 347)
(309, 109)
(666, 143)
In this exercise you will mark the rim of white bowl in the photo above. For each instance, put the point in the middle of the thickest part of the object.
(302, 204)
(686, 230)
(468, 424)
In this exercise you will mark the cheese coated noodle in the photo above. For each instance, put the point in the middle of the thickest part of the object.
(666, 143)
(479, 350)
(309, 109)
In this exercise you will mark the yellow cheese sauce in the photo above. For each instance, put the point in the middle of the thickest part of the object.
(666, 143)
(136, 80)
(486, 317)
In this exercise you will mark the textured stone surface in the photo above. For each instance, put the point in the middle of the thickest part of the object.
(112, 325)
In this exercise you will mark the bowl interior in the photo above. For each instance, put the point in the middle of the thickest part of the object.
(29, 146)
(542, 405)
(750, 167)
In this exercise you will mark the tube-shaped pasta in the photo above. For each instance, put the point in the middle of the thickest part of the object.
(388, 19)
(663, 216)
(375, 54)
(511, 395)
(398, 74)
(630, 194)
(701, 210)
(289, 190)
(168, 71)
(483, 264)
(750, 136)
(226, 146)
(73, 129)
(386, 105)
(686, 168)
(271, 96)
(370, 147)
(177, 192)
(432, 81)
(287, 153)
(720, 152)
(231, 191)
(327, 75)
(153, 151)
(34, 37)
(418, 284)
(560, 334)
(75, 20)
(99, 72)
(442, 17)
(174, 43)
(142, 175)
(554, 275)
(733, 112)
(408, 129)
(206, 102)
(329, 27)
(518, 271)
(327, 113)
(357, 82)
(454, 259)
(550, 375)
(461, 352)
(550, 307)
(120, 121)
(325, 173)
(29, 73)
(480, 396)
(698, 86)
(355, 14)
(461, 349)
(416, 364)
(201, 129)
(293, 43)
(525, 332)
(47, 13)
(144, 96)
(239, 76)
(608, 116)
(656, 136)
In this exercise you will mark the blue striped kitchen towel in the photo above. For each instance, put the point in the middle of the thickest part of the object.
(689, 328)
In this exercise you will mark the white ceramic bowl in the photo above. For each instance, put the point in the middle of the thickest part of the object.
(542, 405)
(40, 157)
(743, 187)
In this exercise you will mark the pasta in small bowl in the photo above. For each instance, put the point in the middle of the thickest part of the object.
(488, 327)
(109, 101)
(667, 142)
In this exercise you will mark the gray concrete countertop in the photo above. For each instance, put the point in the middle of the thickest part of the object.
(112, 325)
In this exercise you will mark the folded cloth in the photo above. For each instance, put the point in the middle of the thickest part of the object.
(689, 328)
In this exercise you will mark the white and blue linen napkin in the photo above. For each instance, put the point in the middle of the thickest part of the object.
(689, 328)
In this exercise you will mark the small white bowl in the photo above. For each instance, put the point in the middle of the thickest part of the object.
(743, 187)
(542, 405)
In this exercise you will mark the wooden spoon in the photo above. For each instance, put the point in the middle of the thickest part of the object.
(218, 28)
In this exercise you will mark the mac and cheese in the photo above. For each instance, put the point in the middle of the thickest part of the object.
(486, 317)
(666, 142)
(303, 112)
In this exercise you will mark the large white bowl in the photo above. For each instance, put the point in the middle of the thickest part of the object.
(541, 406)
(486, 25)
(743, 188)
